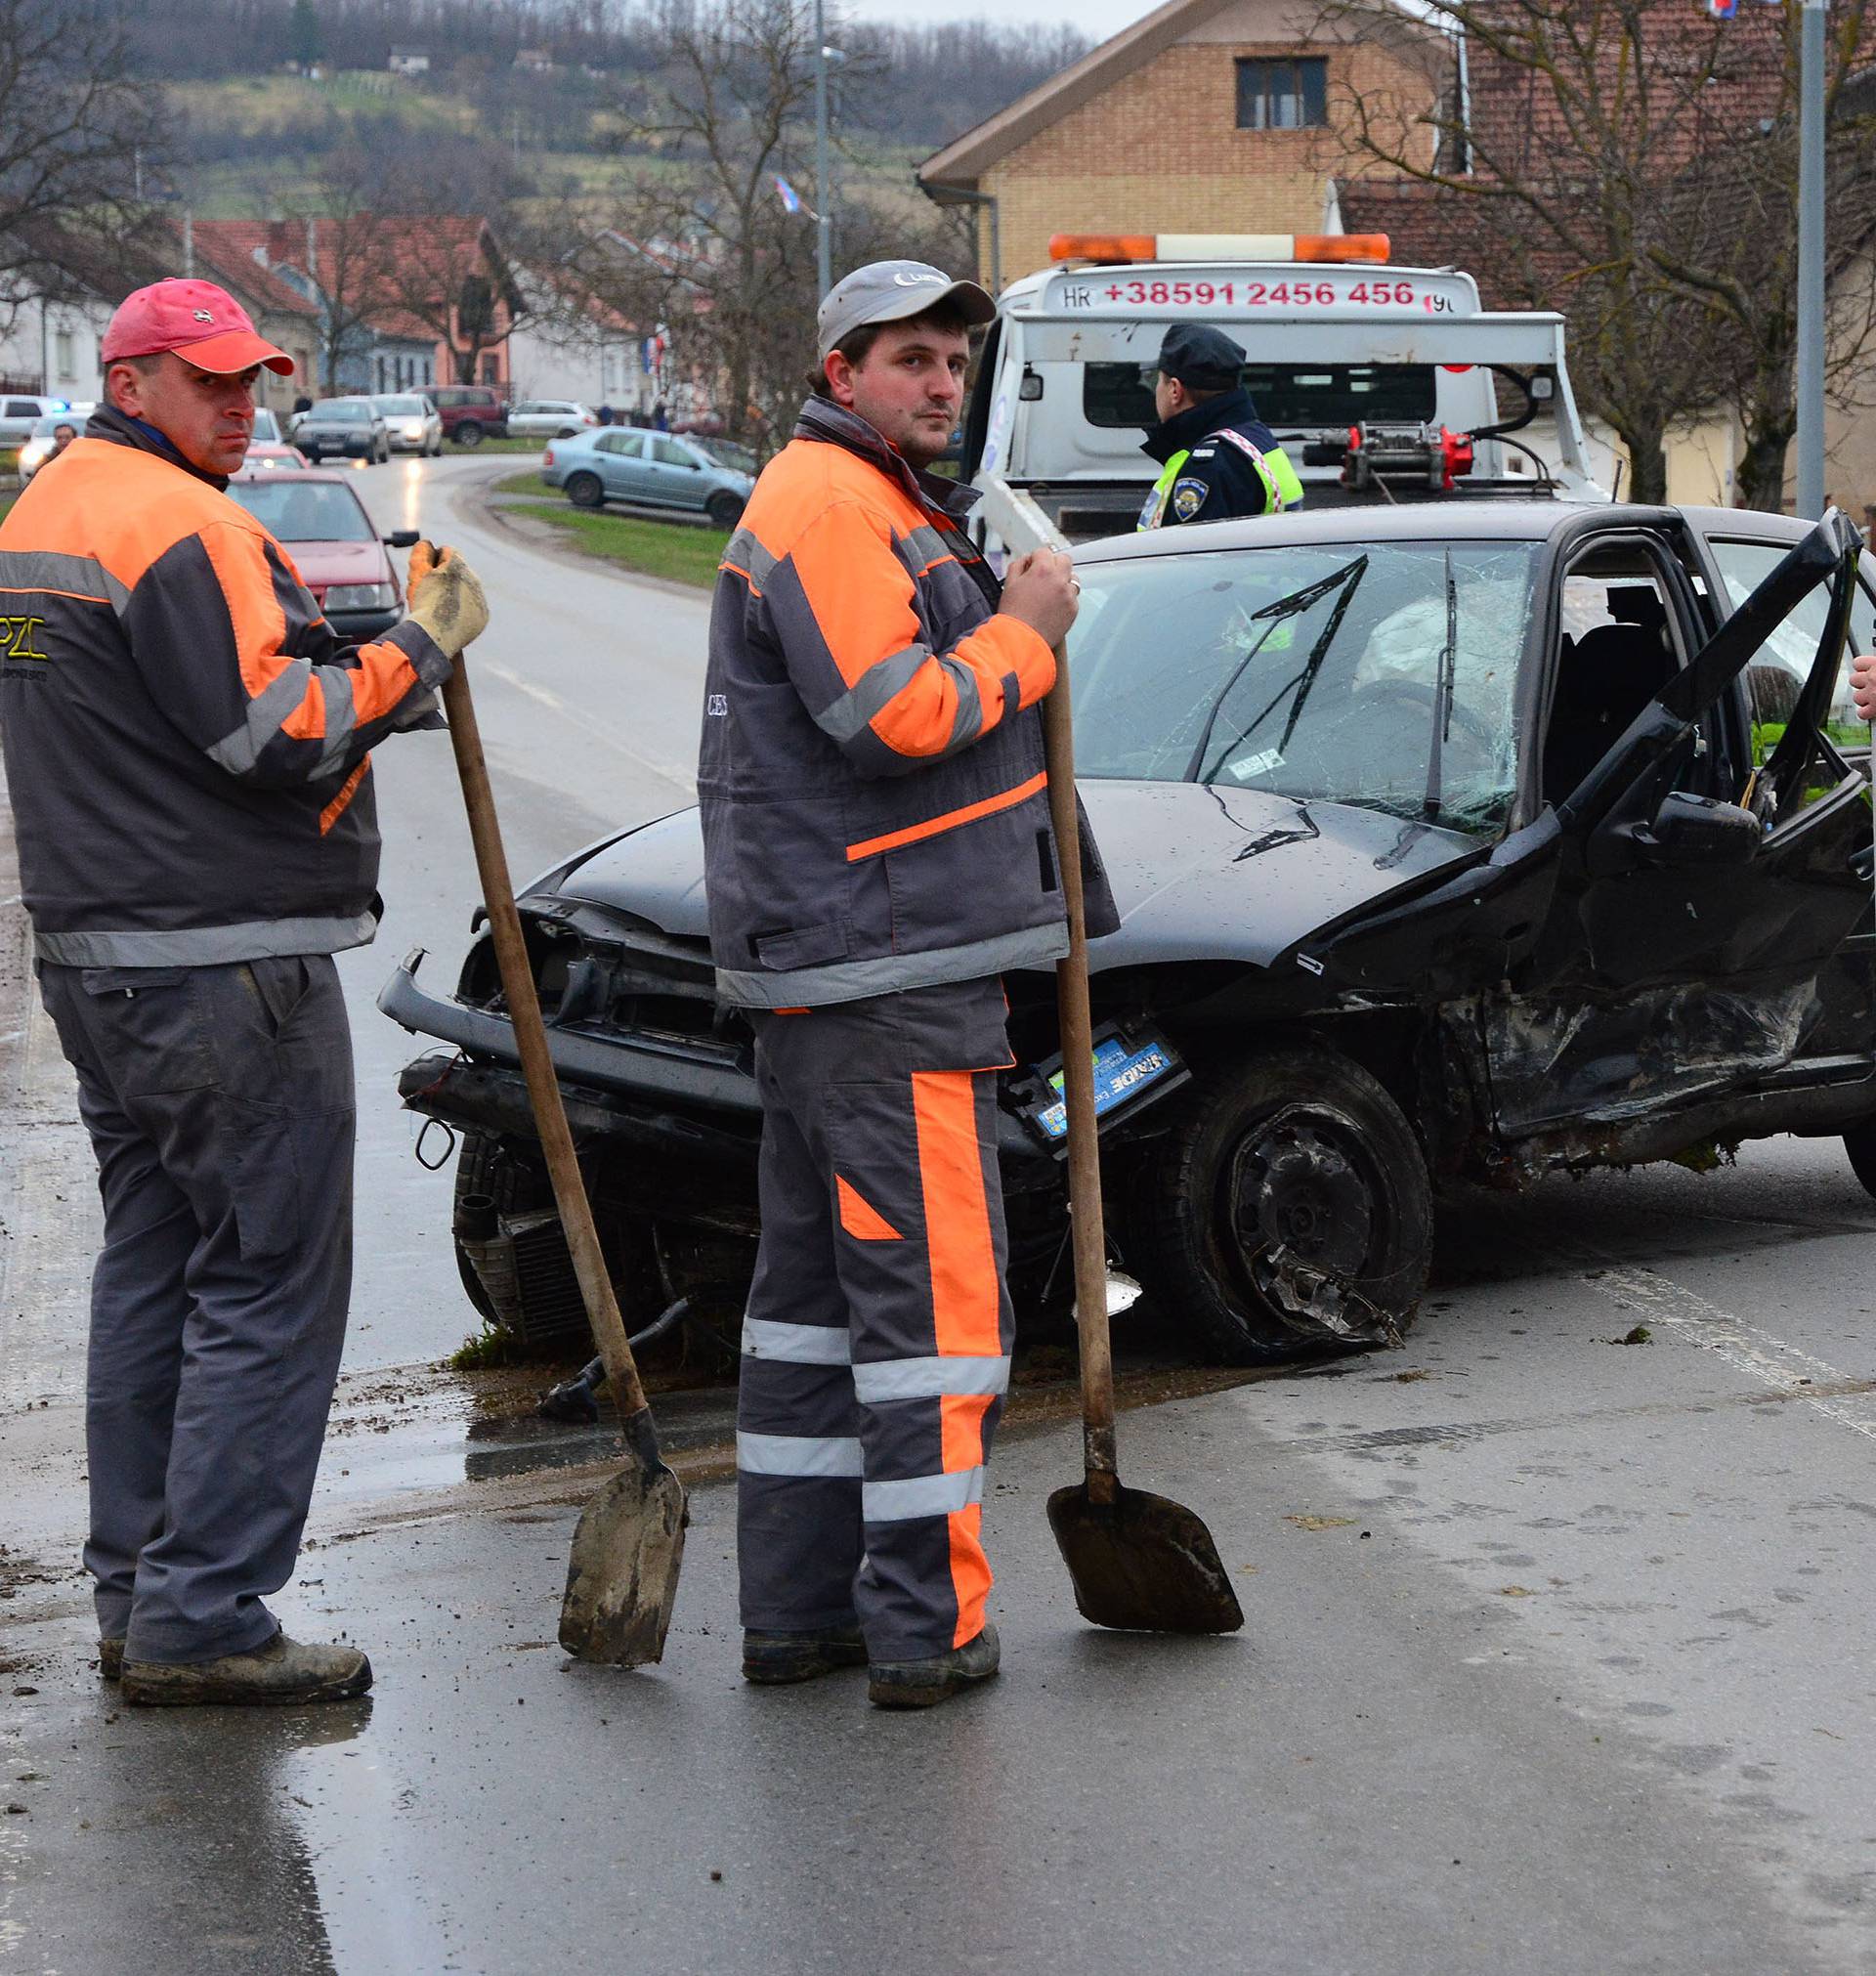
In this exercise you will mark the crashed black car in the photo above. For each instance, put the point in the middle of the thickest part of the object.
(1449, 845)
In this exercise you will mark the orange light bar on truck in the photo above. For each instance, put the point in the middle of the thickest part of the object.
(1112, 248)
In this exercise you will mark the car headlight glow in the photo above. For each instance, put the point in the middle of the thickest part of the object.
(33, 452)
(413, 428)
(360, 597)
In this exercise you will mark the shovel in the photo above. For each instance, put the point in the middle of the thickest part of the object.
(629, 1544)
(1138, 1561)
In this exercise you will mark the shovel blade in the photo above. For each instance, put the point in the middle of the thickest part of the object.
(1142, 1564)
(622, 1578)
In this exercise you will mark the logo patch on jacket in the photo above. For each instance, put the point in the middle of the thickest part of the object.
(1188, 498)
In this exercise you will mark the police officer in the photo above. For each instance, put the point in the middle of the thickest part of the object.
(1218, 458)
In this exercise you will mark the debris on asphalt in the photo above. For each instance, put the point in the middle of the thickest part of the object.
(1320, 1523)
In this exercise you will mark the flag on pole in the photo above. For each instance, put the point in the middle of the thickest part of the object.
(1722, 10)
(789, 198)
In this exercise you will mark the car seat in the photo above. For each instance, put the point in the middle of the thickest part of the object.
(1602, 685)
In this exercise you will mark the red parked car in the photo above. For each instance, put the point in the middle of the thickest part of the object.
(322, 525)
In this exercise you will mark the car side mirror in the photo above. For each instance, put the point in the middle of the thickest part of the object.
(1691, 832)
(404, 538)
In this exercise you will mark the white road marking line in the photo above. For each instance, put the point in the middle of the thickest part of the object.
(1785, 1368)
(678, 778)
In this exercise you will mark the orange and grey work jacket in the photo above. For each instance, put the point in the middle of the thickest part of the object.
(185, 738)
(874, 805)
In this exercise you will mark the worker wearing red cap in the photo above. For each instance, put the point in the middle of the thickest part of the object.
(186, 749)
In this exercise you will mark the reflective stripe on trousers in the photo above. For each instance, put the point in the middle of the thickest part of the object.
(875, 1350)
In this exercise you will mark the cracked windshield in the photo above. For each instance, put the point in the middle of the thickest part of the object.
(1382, 676)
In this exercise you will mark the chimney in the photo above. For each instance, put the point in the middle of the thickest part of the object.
(313, 248)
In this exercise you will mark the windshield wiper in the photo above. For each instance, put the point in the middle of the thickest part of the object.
(1292, 605)
(1442, 696)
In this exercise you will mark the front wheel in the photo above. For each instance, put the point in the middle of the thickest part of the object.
(725, 509)
(584, 491)
(1289, 1210)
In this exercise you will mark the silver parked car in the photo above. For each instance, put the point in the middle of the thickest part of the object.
(652, 469)
(550, 419)
(350, 427)
(412, 421)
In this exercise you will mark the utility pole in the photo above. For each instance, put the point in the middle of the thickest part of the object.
(1811, 262)
(822, 219)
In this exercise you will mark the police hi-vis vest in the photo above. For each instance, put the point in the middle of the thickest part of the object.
(1282, 488)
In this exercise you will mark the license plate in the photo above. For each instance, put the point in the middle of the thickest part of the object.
(1126, 1070)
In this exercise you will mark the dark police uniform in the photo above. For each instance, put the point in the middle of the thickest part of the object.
(1219, 460)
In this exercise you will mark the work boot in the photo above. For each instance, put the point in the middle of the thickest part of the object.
(111, 1655)
(918, 1684)
(283, 1670)
(771, 1659)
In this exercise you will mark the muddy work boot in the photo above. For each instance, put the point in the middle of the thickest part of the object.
(919, 1684)
(283, 1671)
(772, 1660)
(110, 1657)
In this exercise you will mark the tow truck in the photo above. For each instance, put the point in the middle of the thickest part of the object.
(1385, 384)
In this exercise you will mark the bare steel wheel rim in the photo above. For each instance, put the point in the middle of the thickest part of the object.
(1306, 1211)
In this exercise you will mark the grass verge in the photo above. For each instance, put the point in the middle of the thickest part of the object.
(535, 446)
(682, 552)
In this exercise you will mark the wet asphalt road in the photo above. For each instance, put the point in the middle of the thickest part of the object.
(1556, 1654)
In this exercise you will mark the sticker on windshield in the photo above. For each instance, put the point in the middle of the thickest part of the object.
(1248, 765)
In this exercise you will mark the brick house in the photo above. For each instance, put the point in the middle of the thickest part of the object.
(1206, 117)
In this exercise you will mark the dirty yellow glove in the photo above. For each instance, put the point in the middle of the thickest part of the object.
(445, 598)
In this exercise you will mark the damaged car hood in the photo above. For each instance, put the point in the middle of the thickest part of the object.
(1198, 872)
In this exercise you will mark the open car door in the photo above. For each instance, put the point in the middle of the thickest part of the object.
(1686, 935)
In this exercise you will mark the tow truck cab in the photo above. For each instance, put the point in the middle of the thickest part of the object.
(1382, 383)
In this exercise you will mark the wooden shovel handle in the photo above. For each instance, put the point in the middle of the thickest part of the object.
(1086, 1225)
(537, 1066)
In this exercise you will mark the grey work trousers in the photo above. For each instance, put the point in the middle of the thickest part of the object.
(220, 1106)
(876, 1339)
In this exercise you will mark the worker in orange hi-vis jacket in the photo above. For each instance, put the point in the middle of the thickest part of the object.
(186, 747)
(878, 851)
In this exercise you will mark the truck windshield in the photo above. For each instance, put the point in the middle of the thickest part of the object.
(1324, 397)
(1314, 671)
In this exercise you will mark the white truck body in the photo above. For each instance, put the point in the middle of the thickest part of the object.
(1061, 401)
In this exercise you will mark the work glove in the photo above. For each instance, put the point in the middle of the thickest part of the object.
(445, 598)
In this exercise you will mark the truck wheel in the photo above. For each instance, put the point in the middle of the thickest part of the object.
(1860, 1143)
(467, 433)
(584, 491)
(1288, 1211)
(725, 509)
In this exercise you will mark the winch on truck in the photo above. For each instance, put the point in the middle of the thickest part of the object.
(1384, 384)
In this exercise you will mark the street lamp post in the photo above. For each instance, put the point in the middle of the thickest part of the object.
(822, 219)
(1811, 262)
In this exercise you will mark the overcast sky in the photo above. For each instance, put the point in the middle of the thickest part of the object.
(1097, 18)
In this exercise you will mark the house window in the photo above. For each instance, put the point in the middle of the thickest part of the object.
(1283, 94)
(68, 358)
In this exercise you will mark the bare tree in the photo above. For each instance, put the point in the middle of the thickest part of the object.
(78, 129)
(697, 232)
(346, 251)
(1607, 157)
(448, 227)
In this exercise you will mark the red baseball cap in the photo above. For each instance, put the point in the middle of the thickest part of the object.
(197, 321)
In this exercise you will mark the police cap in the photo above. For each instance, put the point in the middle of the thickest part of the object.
(1201, 357)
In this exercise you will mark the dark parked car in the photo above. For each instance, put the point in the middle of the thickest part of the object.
(1449, 845)
(470, 412)
(350, 428)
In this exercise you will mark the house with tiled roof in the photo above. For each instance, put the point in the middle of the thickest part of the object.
(1214, 117)
(74, 282)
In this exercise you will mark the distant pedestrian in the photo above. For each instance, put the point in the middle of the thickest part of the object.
(607, 414)
(187, 748)
(61, 437)
(660, 421)
(302, 403)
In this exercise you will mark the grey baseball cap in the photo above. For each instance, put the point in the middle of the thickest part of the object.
(888, 291)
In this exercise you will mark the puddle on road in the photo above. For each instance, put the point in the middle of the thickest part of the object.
(432, 1427)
